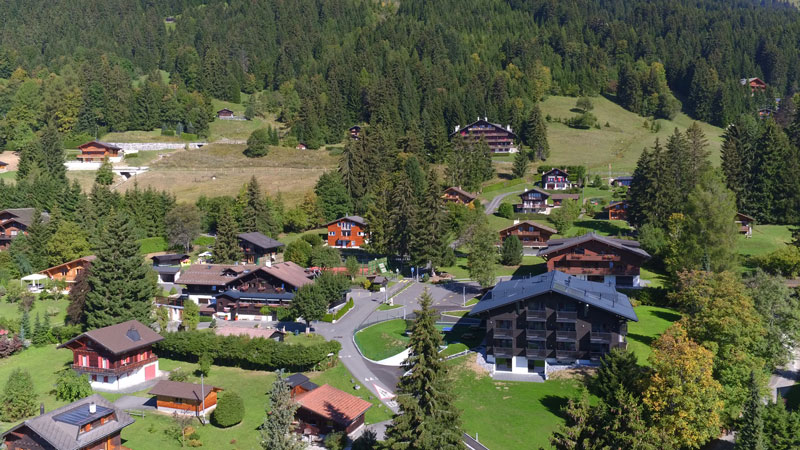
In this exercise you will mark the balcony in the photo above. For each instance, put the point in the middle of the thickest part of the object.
(503, 352)
(536, 353)
(537, 314)
(503, 332)
(600, 336)
(577, 257)
(566, 335)
(596, 356)
(115, 370)
(566, 316)
(536, 334)
(566, 354)
(577, 270)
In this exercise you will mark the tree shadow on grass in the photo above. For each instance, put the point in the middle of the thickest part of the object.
(667, 315)
(555, 404)
(646, 340)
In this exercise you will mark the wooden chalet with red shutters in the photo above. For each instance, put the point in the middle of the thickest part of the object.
(96, 151)
(224, 113)
(185, 398)
(347, 232)
(500, 139)
(116, 357)
(745, 224)
(458, 196)
(91, 423)
(592, 257)
(555, 180)
(530, 233)
(617, 210)
(755, 84)
(533, 201)
(69, 271)
(15, 222)
(326, 409)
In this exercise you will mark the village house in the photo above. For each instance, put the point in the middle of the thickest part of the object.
(555, 180)
(91, 423)
(96, 151)
(617, 210)
(258, 248)
(530, 233)
(3, 166)
(327, 409)
(622, 181)
(745, 224)
(551, 319)
(457, 195)
(116, 357)
(355, 132)
(238, 305)
(224, 113)
(184, 398)
(15, 222)
(533, 201)
(755, 84)
(263, 333)
(299, 383)
(205, 281)
(558, 199)
(67, 272)
(168, 266)
(300, 146)
(615, 262)
(500, 139)
(347, 232)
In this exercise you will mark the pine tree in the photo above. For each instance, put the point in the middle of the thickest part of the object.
(482, 255)
(19, 397)
(379, 217)
(276, 431)
(39, 234)
(534, 134)
(737, 160)
(425, 243)
(226, 248)
(25, 331)
(121, 286)
(511, 251)
(77, 297)
(751, 424)
(429, 419)
(105, 174)
(520, 164)
(771, 151)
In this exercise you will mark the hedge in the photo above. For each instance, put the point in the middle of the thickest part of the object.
(206, 318)
(341, 312)
(244, 352)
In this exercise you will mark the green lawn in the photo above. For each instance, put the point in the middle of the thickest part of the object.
(153, 245)
(382, 340)
(304, 339)
(40, 307)
(531, 265)
(288, 238)
(653, 320)
(509, 415)
(140, 136)
(8, 175)
(766, 239)
(387, 307)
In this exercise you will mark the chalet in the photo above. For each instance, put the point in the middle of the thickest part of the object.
(116, 357)
(258, 248)
(263, 333)
(533, 201)
(355, 132)
(615, 262)
(555, 180)
(617, 210)
(3, 166)
(558, 199)
(500, 139)
(224, 113)
(326, 409)
(96, 151)
(91, 423)
(15, 222)
(168, 266)
(458, 195)
(300, 146)
(69, 271)
(170, 19)
(622, 181)
(755, 84)
(205, 281)
(347, 232)
(238, 305)
(745, 224)
(552, 319)
(530, 233)
(299, 383)
(185, 398)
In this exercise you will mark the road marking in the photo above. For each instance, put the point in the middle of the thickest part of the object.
(383, 394)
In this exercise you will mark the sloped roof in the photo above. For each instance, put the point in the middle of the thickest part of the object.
(260, 240)
(461, 192)
(289, 272)
(25, 215)
(102, 144)
(483, 121)
(122, 337)
(177, 389)
(66, 436)
(554, 245)
(613, 204)
(595, 294)
(168, 257)
(85, 259)
(357, 219)
(535, 189)
(532, 223)
(333, 404)
(213, 274)
(556, 169)
(301, 380)
(744, 216)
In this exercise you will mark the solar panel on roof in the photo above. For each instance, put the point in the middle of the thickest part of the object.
(133, 335)
(80, 415)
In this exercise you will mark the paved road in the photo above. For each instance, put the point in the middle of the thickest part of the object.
(786, 376)
(137, 403)
(492, 206)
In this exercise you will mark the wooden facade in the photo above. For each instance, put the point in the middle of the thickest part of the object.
(95, 151)
(347, 232)
(555, 180)
(15, 222)
(26, 439)
(755, 84)
(458, 195)
(500, 139)
(745, 224)
(355, 132)
(183, 404)
(68, 271)
(533, 201)
(531, 234)
(617, 210)
(327, 409)
(224, 112)
(87, 357)
(596, 258)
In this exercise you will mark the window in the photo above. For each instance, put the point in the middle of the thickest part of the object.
(105, 379)
(331, 233)
(568, 307)
(568, 346)
(503, 343)
(503, 324)
(14, 232)
(536, 345)
(565, 326)
(536, 306)
(345, 225)
(361, 233)
(346, 233)
(537, 326)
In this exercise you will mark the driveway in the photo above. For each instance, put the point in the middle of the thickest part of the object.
(492, 206)
(136, 403)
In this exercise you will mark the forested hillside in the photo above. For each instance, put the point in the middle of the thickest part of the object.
(414, 66)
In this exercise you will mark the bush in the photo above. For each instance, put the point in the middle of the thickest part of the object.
(179, 375)
(258, 143)
(9, 346)
(206, 319)
(229, 411)
(299, 252)
(70, 386)
(66, 332)
(19, 399)
(244, 352)
(511, 251)
(340, 313)
(784, 261)
(205, 363)
(582, 121)
(335, 441)
(506, 210)
(312, 238)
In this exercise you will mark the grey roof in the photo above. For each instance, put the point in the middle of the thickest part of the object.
(168, 270)
(25, 215)
(599, 295)
(301, 380)
(63, 435)
(554, 245)
(122, 337)
(496, 125)
(260, 240)
(357, 219)
(531, 223)
(535, 189)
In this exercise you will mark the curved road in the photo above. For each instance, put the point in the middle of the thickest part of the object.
(492, 206)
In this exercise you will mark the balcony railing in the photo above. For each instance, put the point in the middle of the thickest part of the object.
(536, 353)
(503, 332)
(503, 352)
(596, 356)
(566, 335)
(537, 314)
(566, 354)
(600, 336)
(115, 370)
(566, 315)
(576, 257)
(537, 334)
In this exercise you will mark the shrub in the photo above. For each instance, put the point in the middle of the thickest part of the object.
(506, 210)
(205, 363)
(312, 238)
(784, 261)
(340, 313)
(582, 121)
(206, 319)
(179, 375)
(70, 386)
(188, 136)
(229, 411)
(66, 332)
(19, 399)
(335, 441)
(167, 132)
(258, 143)
(9, 346)
(298, 251)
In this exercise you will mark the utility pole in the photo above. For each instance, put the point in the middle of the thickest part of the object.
(463, 296)
(203, 399)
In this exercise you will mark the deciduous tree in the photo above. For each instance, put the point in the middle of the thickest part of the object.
(183, 225)
(482, 255)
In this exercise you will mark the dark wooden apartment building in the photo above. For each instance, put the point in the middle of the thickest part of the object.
(552, 319)
(530, 233)
(592, 257)
(500, 139)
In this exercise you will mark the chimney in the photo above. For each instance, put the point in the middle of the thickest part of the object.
(516, 221)
(268, 262)
(92, 407)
